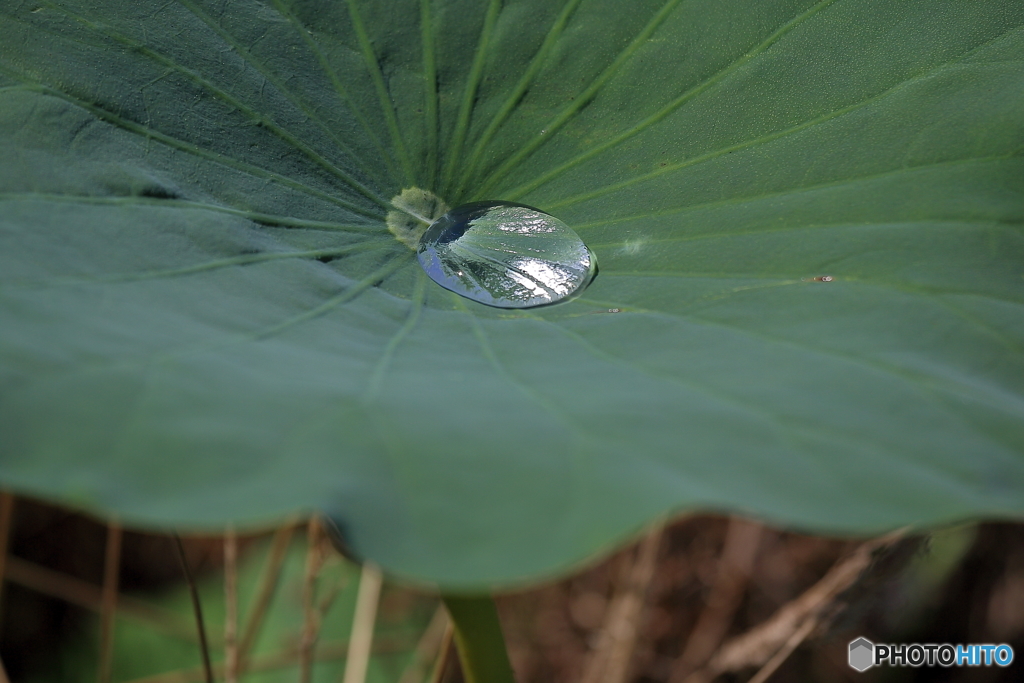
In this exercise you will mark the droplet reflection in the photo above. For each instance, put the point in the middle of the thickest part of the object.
(506, 255)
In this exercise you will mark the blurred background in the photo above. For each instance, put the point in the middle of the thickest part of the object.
(700, 598)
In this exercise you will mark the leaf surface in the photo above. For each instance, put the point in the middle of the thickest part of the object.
(807, 217)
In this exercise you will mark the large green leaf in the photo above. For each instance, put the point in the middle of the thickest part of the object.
(203, 318)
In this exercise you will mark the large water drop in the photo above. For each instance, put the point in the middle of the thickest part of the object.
(506, 255)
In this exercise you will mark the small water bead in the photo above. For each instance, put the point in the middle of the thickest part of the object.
(506, 255)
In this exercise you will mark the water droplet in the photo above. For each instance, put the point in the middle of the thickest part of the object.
(506, 255)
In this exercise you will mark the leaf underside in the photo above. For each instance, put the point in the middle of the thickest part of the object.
(808, 219)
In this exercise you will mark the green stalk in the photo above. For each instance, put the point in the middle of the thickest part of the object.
(478, 639)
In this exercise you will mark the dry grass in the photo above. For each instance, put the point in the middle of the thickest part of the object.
(701, 599)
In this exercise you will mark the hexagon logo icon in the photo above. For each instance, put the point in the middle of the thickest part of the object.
(862, 654)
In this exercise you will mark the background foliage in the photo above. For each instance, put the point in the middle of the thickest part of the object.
(962, 585)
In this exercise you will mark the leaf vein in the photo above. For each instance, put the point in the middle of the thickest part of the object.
(808, 188)
(256, 217)
(430, 90)
(566, 114)
(926, 385)
(812, 226)
(332, 75)
(281, 86)
(221, 94)
(387, 108)
(469, 93)
(771, 137)
(191, 148)
(242, 260)
(675, 104)
(416, 308)
(538, 61)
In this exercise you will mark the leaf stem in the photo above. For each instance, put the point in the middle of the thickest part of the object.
(311, 622)
(108, 601)
(204, 647)
(479, 639)
(230, 605)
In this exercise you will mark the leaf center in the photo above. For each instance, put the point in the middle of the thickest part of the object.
(415, 210)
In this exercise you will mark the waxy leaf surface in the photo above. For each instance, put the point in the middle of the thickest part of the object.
(807, 215)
